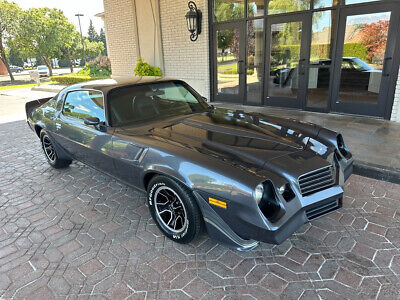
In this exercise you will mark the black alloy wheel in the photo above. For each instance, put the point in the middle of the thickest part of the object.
(174, 209)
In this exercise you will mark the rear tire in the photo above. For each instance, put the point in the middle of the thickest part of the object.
(50, 152)
(174, 209)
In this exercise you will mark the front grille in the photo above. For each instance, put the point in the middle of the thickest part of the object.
(316, 180)
(323, 209)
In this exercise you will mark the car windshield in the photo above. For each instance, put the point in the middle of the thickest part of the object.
(361, 65)
(42, 68)
(150, 102)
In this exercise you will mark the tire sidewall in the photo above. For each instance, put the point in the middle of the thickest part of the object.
(190, 230)
(42, 135)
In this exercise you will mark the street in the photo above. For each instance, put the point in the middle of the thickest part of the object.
(78, 232)
(24, 75)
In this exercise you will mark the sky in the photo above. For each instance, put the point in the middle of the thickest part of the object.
(71, 7)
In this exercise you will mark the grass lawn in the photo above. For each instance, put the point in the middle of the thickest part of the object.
(226, 67)
(226, 58)
(232, 69)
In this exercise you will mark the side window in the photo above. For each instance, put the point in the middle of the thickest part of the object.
(60, 102)
(173, 91)
(84, 104)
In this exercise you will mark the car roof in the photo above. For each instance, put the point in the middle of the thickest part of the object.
(344, 58)
(106, 85)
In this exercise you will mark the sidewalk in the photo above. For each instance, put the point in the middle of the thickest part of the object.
(12, 103)
(51, 88)
(375, 144)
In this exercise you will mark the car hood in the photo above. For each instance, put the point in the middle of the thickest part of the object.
(229, 135)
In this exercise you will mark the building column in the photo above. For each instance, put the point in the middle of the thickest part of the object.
(122, 41)
(149, 32)
(183, 58)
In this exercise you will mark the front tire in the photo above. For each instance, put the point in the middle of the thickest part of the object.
(50, 152)
(174, 209)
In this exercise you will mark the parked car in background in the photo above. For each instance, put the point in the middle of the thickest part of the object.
(43, 71)
(16, 69)
(355, 73)
(247, 177)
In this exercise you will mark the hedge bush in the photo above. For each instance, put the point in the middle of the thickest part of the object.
(73, 78)
(318, 51)
(100, 66)
(355, 50)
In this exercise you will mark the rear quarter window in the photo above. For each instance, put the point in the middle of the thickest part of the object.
(84, 104)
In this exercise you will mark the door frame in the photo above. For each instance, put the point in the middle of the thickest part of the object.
(300, 101)
(239, 98)
(387, 87)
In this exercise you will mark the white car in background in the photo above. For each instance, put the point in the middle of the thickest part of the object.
(43, 71)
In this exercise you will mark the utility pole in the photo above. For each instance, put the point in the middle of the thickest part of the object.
(83, 42)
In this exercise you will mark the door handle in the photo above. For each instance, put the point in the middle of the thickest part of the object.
(240, 66)
(384, 74)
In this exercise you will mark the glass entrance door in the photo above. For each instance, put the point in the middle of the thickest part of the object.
(229, 62)
(286, 60)
(365, 59)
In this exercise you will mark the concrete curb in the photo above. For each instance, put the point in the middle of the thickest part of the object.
(49, 88)
(376, 172)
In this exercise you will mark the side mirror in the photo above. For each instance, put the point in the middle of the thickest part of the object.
(204, 99)
(92, 121)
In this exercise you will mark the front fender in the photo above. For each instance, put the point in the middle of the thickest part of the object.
(204, 173)
(327, 137)
(153, 169)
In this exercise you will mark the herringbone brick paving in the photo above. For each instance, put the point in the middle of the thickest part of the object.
(77, 233)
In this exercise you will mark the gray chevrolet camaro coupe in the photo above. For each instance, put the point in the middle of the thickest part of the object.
(245, 177)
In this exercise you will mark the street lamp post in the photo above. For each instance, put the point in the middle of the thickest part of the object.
(83, 42)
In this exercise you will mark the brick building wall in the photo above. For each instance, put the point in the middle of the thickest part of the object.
(120, 23)
(3, 69)
(184, 59)
(396, 103)
(175, 54)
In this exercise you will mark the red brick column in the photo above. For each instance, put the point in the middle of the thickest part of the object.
(3, 69)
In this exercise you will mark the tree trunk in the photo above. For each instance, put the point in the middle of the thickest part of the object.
(69, 61)
(5, 61)
(47, 61)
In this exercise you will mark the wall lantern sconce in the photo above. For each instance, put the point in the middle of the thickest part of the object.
(193, 19)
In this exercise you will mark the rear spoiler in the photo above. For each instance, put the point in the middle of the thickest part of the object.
(31, 105)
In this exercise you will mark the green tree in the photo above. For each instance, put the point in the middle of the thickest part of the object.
(43, 32)
(227, 10)
(72, 49)
(283, 6)
(227, 39)
(92, 34)
(9, 20)
(224, 39)
(14, 57)
(93, 49)
(102, 38)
